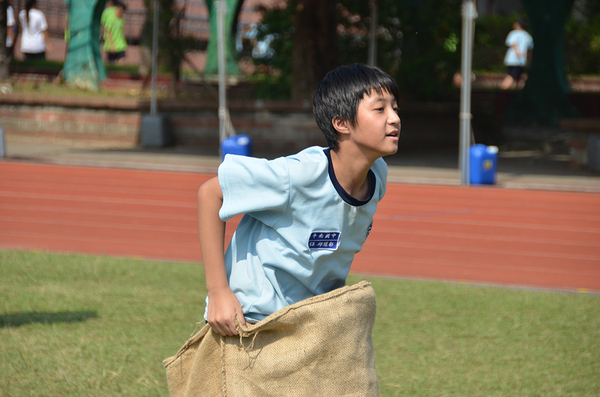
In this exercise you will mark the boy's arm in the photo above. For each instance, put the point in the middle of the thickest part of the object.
(222, 303)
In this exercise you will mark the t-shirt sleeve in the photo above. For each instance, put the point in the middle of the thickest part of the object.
(257, 187)
(43, 23)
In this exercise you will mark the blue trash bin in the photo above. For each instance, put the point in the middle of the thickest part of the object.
(237, 144)
(483, 164)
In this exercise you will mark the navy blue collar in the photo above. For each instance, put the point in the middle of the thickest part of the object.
(343, 194)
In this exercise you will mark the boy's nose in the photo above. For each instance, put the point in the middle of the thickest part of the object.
(394, 118)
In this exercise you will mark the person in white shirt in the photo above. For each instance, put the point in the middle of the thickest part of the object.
(10, 29)
(518, 42)
(34, 31)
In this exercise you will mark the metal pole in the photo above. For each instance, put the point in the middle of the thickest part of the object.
(2, 151)
(154, 57)
(373, 33)
(468, 26)
(220, 4)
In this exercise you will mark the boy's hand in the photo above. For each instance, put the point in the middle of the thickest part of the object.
(223, 306)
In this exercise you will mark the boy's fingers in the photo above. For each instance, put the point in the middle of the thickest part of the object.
(226, 329)
(241, 318)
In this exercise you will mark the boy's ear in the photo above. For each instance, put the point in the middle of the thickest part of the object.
(341, 125)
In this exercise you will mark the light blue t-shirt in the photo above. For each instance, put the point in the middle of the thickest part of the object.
(524, 43)
(300, 229)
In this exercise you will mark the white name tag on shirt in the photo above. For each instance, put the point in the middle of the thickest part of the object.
(327, 240)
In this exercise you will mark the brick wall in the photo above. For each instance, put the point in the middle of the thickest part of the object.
(276, 128)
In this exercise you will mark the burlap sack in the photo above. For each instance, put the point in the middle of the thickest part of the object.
(318, 347)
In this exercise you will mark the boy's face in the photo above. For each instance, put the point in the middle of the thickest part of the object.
(377, 128)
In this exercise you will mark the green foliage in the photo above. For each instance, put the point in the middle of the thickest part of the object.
(582, 39)
(35, 64)
(426, 65)
(488, 47)
(172, 45)
(270, 83)
(273, 74)
(417, 41)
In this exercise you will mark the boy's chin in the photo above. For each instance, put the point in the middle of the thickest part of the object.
(393, 150)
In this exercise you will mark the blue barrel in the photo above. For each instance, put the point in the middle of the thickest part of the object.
(483, 164)
(237, 144)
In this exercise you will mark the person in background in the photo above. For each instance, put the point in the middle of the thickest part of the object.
(113, 22)
(518, 42)
(11, 29)
(34, 37)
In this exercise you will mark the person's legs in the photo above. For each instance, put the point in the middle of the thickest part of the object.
(36, 56)
(507, 83)
(514, 73)
(118, 56)
(114, 57)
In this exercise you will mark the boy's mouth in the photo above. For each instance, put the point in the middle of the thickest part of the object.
(395, 133)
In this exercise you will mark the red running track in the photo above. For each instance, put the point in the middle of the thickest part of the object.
(540, 239)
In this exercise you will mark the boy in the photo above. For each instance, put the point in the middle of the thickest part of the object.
(115, 43)
(518, 42)
(305, 215)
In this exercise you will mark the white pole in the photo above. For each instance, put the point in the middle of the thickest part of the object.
(223, 119)
(373, 34)
(154, 57)
(469, 14)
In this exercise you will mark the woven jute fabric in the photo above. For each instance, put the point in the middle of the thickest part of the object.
(321, 346)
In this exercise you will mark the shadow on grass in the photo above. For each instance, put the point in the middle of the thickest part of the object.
(25, 318)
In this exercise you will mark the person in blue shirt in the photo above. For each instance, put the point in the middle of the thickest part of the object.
(519, 42)
(305, 216)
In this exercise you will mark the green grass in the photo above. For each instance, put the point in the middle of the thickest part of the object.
(20, 66)
(74, 325)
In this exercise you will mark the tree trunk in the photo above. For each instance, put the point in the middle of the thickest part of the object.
(315, 46)
(543, 100)
(4, 59)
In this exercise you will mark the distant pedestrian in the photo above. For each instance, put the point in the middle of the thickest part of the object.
(11, 29)
(519, 42)
(113, 22)
(34, 37)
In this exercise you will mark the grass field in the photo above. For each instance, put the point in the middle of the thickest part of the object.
(74, 325)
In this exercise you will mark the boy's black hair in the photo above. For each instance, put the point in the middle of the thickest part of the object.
(340, 92)
(523, 22)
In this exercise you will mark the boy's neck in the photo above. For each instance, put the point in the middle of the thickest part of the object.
(351, 172)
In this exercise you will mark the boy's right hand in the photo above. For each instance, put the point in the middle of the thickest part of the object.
(223, 306)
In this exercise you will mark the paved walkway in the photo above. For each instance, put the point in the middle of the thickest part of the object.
(516, 170)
